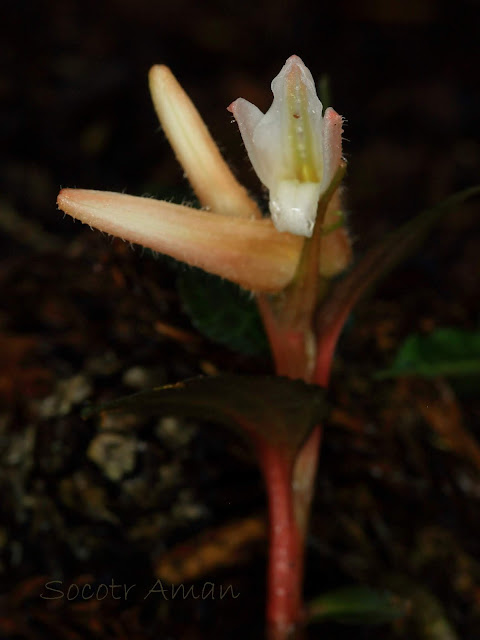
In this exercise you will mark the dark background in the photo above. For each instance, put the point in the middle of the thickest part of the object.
(76, 109)
(76, 307)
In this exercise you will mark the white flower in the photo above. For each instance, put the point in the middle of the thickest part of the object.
(294, 149)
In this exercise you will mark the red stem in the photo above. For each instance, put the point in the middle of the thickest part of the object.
(285, 571)
(290, 491)
(324, 359)
(289, 346)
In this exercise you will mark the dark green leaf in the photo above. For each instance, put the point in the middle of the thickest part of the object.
(376, 264)
(222, 311)
(428, 617)
(324, 91)
(278, 411)
(444, 352)
(356, 605)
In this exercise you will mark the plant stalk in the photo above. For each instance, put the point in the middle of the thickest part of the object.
(289, 489)
(286, 559)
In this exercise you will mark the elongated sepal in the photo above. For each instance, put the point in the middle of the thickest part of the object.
(249, 252)
(205, 168)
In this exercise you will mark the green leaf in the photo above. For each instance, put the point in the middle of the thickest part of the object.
(375, 265)
(428, 618)
(274, 410)
(356, 605)
(324, 91)
(444, 352)
(222, 311)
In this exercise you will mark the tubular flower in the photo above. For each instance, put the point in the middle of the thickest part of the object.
(228, 237)
(294, 149)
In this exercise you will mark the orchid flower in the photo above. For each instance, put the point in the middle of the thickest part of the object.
(228, 236)
(294, 150)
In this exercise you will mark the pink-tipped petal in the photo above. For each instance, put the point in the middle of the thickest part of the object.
(213, 182)
(249, 252)
(332, 144)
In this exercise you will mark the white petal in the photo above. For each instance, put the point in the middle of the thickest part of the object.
(299, 114)
(248, 117)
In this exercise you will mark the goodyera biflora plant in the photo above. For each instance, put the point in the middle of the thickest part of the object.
(287, 261)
